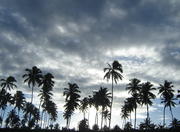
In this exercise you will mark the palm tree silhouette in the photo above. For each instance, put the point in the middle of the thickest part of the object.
(5, 99)
(8, 83)
(32, 77)
(13, 119)
(84, 105)
(104, 100)
(133, 88)
(30, 109)
(72, 101)
(106, 116)
(175, 123)
(67, 116)
(114, 72)
(96, 104)
(46, 84)
(178, 96)
(19, 100)
(130, 106)
(167, 96)
(124, 112)
(146, 95)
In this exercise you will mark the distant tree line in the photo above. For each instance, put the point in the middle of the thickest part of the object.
(17, 112)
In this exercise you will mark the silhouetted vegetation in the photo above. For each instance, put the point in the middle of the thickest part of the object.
(16, 113)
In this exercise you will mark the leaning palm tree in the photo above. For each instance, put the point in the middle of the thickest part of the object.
(165, 91)
(72, 101)
(146, 95)
(19, 100)
(133, 88)
(32, 77)
(114, 72)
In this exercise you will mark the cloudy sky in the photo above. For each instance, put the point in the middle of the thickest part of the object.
(75, 39)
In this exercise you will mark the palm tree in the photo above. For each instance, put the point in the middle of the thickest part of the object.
(19, 100)
(45, 94)
(133, 88)
(96, 104)
(106, 116)
(8, 83)
(104, 100)
(178, 96)
(32, 77)
(175, 123)
(130, 106)
(30, 109)
(166, 94)
(67, 116)
(5, 98)
(72, 101)
(84, 105)
(114, 72)
(124, 112)
(13, 119)
(146, 95)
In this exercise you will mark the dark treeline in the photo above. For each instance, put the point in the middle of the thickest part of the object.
(18, 113)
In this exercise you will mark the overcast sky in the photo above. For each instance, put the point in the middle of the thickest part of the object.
(75, 39)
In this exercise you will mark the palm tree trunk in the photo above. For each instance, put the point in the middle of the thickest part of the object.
(32, 94)
(171, 113)
(101, 119)
(39, 110)
(164, 115)
(135, 119)
(84, 115)
(147, 112)
(42, 118)
(111, 104)
(130, 118)
(88, 118)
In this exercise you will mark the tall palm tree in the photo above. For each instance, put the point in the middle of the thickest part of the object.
(84, 105)
(8, 83)
(166, 94)
(46, 84)
(32, 77)
(133, 88)
(72, 101)
(19, 100)
(146, 95)
(114, 72)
